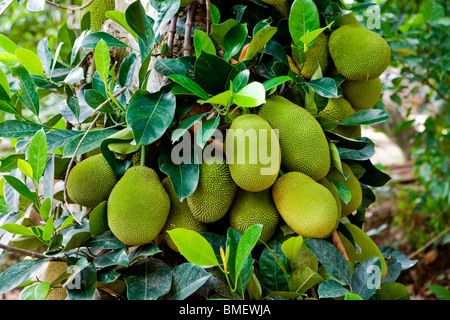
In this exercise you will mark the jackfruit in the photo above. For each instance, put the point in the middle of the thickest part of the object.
(349, 19)
(368, 248)
(327, 184)
(151, 157)
(254, 155)
(179, 215)
(138, 206)
(274, 2)
(214, 193)
(184, 3)
(304, 147)
(358, 53)
(340, 109)
(306, 258)
(250, 208)
(49, 272)
(97, 10)
(362, 95)
(316, 55)
(306, 206)
(352, 184)
(91, 181)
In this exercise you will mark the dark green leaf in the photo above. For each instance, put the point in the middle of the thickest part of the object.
(330, 257)
(399, 256)
(106, 240)
(258, 42)
(440, 292)
(84, 285)
(20, 187)
(98, 222)
(234, 40)
(207, 130)
(147, 279)
(165, 10)
(138, 20)
(303, 279)
(232, 242)
(29, 95)
(185, 125)
(6, 104)
(92, 141)
(149, 115)
(211, 73)
(126, 71)
(373, 176)
(366, 117)
(219, 31)
(91, 40)
(366, 278)
(189, 85)
(187, 278)
(325, 87)
(331, 289)
(245, 247)
(75, 238)
(271, 274)
(303, 18)
(167, 67)
(143, 251)
(112, 258)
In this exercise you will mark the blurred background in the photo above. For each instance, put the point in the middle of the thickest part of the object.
(412, 211)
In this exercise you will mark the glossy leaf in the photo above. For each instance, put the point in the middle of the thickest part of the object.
(85, 284)
(325, 87)
(98, 222)
(189, 85)
(303, 278)
(291, 247)
(245, 247)
(20, 187)
(366, 117)
(211, 73)
(202, 42)
(331, 289)
(167, 67)
(258, 42)
(112, 258)
(92, 40)
(303, 18)
(139, 22)
(392, 291)
(38, 291)
(19, 273)
(271, 274)
(29, 95)
(366, 278)
(252, 95)
(37, 154)
(188, 278)
(30, 61)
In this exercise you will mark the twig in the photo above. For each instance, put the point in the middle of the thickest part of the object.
(22, 252)
(69, 8)
(188, 28)
(171, 38)
(208, 17)
(338, 244)
(81, 142)
(430, 242)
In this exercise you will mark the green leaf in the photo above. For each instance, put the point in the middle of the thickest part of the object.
(366, 117)
(206, 130)
(291, 247)
(30, 61)
(303, 278)
(92, 141)
(258, 42)
(366, 278)
(38, 291)
(165, 10)
(45, 208)
(245, 247)
(6, 104)
(29, 95)
(140, 23)
(17, 229)
(185, 125)
(275, 82)
(240, 80)
(86, 281)
(105, 240)
(372, 176)
(25, 168)
(75, 238)
(211, 73)
(119, 18)
(149, 115)
(112, 258)
(98, 222)
(145, 250)
(352, 296)
(219, 31)
(399, 256)
(361, 154)
(48, 230)
(330, 257)
(271, 274)
(187, 278)
(4, 83)
(147, 279)
(252, 95)
(19, 273)
(308, 38)
(37, 154)
(194, 247)
(167, 67)
(325, 87)
(342, 190)
(7, 44)
(234, 40)
(189, 85)
(331, 289)
(126, 70)
(67, 222)
(91, 40)
(102, 60)
(202, 42)
(20, 187)
(393, 291)
(242, 279)
(303, 18)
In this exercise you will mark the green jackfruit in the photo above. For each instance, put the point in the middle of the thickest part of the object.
(306, 206)
(304, 147)
(362, 95)
(151, 157)
(215, 191)
(254, 161)
(340, 109)
(327, 184)
(358, 53)
(91, 181)
(274, 2)
(306, 258)
(316, 55)
(250, 208)
(179, 215)
(349, 19)
(368, 248)
(97, 10)
(352, 184)
(138, 206)
(184, 3)
(51, 271)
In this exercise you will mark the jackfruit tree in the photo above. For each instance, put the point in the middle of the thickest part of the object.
(199, 149)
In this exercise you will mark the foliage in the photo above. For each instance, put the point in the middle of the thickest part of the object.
(232, 70)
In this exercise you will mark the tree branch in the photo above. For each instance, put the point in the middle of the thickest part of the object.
(69, 8)
(22, 252)
(188, 28)
(338, 244)
(171, 38)
(208, 17)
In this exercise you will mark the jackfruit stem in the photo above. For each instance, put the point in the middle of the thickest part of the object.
(338, 244)
(69, 8)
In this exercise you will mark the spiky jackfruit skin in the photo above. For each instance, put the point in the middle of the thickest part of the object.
(180, 216)
(184, 3)
(151, 157)
(316, 55)
(352, 184)
(91, 181)
(349, 19)
(97, 9)
(306, 258)
(138, 206)
(327, 184)
(250, 208)
(274, 2)
(304, 147)
(340, 109)
(369, 248)
(253, 140)
(358, 53)
(362, 95)
(306, 206)
(50, 271)
(214, 193)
